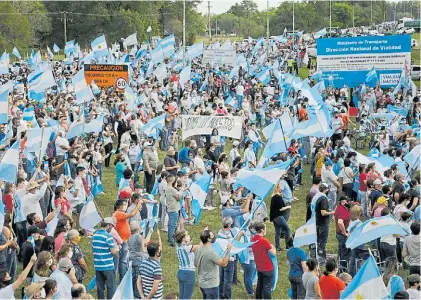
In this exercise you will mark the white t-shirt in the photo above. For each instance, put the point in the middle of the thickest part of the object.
(61, 141)
(239, 90)
(329, 177)
(7, 293)
(81, 195)
(345, 174)
(199, 164)
(413, 294)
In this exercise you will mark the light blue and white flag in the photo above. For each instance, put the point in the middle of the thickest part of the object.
(89, 216)
(258, 181)
(277, 143)
(150, 128)
(317, 125)
(371, 79)
(38, 139)
(220, 246)
(99, 47)
(367, 283)
(413, 158)
(69, 48)
(234, 72)
(4, 107)
(157, 55)
(8, 86)
(195, 50)
(264, 76)
(306, 234)
(82, 90)
(4, 63)
(167, 45)
(313, 95)
(232, 102)
(76, 128)
(185, 75)
(29, 116)
(373, 229)
(199, 189)
(52, 225)
(16, 53)
(95, 88)
(43, 80)
(56, 48)
(161, 72)
(50, 54)
(125, 289)
(130, 40)
(274, 261)
(9, 164)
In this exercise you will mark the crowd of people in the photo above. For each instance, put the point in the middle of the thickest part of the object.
(42, 230)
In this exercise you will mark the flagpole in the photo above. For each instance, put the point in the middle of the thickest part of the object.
(283, 133)
(40, 150)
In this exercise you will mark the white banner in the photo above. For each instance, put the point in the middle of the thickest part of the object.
(221, 56)
(204, 125)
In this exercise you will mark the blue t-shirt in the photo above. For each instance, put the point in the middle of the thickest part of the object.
(295, 256)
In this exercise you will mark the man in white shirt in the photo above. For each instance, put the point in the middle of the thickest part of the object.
(414, 284)
(239, 90)
(79, 193)
(333, 181)
(62, 276)
(30, 203)
(62, 146)
(199, 165)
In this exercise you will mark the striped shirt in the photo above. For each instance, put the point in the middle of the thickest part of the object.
(102, 243)
(151, 270)
(185, 258)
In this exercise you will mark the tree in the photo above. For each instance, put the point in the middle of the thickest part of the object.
(245, 9)
(15, 29)
(38, 19)
(341, 15)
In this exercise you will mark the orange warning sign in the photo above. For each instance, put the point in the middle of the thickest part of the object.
(107, 75)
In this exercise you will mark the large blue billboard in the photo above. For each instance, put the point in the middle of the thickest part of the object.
(348, 60)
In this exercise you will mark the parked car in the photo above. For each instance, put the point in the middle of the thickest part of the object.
(415, 72)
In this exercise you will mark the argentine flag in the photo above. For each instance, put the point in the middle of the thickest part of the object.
(264, 76)
(195, 50)
(4, 106)
(373, 229)
(199, 190)
(259, 182)
(16, 53)
(150, 128)
(413, 158)
(4, 63)
(220, 246)
(38, 139)
(232, 102)
(69, 47)
(276, 144)
(185, 75)
(99, 46)
(306, 234)
(9, 164)
(125, 289)
(56, 48)
(371, 78)
(89, 216)
(367, 284)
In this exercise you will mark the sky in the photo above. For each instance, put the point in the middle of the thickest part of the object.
(221, 6)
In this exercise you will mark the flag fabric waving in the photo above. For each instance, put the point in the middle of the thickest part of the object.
(125, 289)
(4, 106)
(367, 284)
(259, 182)
(9, 164)
(306, 234)
(373, 229)
(199, 190)
(16, 53)
(89, 216)
(99, 46)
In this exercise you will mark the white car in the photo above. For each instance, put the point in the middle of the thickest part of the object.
(415, 72)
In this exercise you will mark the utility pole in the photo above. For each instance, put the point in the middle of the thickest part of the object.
(209, 23)
(216, 26)
(184, 33)
(65, 26)
(267, 32)
(330, 18)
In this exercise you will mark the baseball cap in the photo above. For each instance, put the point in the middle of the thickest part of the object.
(377, 182)
(80, 166)
(33, 185)
(124, 194)
(414, 278)
(65, 263)
(109, 220)
(34, 229)
(328, 163)
(227, 221)
(324, 186)
(381, 200)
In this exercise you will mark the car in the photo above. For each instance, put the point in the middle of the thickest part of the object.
(415, 72)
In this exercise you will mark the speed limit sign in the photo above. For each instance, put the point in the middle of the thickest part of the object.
(121, 83)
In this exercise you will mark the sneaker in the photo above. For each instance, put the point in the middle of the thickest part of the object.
(211, 207)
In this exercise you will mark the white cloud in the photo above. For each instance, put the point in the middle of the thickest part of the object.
(221, 6)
